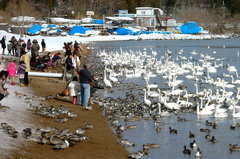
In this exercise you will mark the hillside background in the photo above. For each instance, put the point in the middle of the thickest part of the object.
(217, 16)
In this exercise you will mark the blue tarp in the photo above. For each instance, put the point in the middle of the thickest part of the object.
(77, 29)
(123, 31)
(35, 29)
(190, 28)
(52, 25)
(98, 21)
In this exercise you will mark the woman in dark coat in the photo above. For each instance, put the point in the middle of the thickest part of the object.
(43, 46)
(3, 42)
(69, 63)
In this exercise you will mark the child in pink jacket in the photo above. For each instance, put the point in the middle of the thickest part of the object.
(12, 72)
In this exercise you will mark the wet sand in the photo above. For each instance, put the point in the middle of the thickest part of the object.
(102, 142)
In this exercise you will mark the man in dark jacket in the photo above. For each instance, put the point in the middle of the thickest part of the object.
(85, 79)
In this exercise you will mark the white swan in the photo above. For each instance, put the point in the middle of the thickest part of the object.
(153, 94)
(234, 114)
(171, 105)
(219, 115)
(203, 112)
(145, 100)
(235, 82)
(106, 81)
(162, 113)
(150, 85)
(114, 79)
(194, 52)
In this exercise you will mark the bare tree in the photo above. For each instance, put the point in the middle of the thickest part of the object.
(23, 10)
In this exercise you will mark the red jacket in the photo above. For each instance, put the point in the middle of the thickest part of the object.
(12, 69)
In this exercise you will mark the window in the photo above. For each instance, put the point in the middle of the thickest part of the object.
(152, 22)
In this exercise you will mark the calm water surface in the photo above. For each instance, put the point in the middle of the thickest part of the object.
(222, 51)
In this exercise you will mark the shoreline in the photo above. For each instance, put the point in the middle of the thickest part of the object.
(102, 142)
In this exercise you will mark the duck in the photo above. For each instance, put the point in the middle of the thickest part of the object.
(199, 153)
(213, 140)
(4, 125)
(87, 125)
(27, 132)
(62, 145)
(191, 135)
(232, 127)
(131, 126)
(193, 144)
(15, 134)
(215, 126)
(208, 123)
(174, 131)
(138, 154)
(208, 136)
(153, 145)
(158, 129)
(80, 131)
(205, 130)
(125, 142)
(62, 120)
(234, 147)
(55, 140)
(182, 119)
(186, 151)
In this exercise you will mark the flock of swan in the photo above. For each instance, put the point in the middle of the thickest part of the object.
(218, 79)
(135, 64)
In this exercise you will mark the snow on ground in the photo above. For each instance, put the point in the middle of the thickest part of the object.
(54, 43)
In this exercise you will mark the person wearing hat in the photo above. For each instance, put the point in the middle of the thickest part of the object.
(86, 78)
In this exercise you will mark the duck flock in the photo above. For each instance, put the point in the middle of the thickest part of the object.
(58, 138)
(133, 102)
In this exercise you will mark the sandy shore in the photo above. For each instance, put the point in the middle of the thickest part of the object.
(102, 142)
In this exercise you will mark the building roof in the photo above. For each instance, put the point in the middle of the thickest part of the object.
(119, 18)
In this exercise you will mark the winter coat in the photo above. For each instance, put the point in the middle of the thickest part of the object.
(10, 45)
(29, 44)
(35, 47)
(77, 52)
(74, 88)
(3, 42)
(19, 44)
(14, 41)
(21, 69)
(75, 62)
(12, 69)
(69, 64)
(43, 44)
(26, 60)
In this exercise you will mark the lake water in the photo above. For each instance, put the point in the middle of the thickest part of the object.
(221, 53)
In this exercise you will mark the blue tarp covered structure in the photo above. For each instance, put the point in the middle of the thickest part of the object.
(98, 21)
(77, 29)
(123, 31)
(35, 29)
(190, 28)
